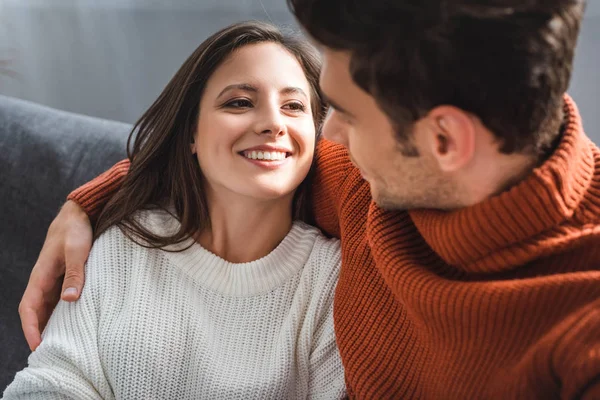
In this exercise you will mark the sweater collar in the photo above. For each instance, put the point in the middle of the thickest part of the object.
(515, 227)
(235, 279)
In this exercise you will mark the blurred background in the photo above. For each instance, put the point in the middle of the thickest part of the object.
(111, 58)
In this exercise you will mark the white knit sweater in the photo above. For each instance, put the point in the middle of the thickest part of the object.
(152, 324)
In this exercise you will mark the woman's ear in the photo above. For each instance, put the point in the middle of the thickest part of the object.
(193, 146)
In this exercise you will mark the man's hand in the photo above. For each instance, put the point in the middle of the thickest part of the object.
(65, 251)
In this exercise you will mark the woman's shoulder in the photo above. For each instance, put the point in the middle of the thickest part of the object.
(325, 256)
(120, 243)
(117, 257)
(112, 239)
(320, 274)
(321, 241)
(155, 220)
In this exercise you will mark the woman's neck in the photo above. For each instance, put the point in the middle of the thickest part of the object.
(242, 229)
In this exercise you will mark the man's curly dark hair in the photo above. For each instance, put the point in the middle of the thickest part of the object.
(507, 61)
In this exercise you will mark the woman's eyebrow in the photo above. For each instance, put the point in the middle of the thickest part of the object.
(241, 86)
(293, 90)
(250, 88)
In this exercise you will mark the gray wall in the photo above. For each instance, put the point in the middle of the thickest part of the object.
(585, 85)
(111, 58)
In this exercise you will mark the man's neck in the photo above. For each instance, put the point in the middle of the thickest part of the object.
(516, 171)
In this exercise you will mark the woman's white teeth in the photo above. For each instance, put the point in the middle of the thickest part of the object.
(265, 155)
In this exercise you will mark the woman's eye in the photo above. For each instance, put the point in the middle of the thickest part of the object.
(239, 103)
(295, 106)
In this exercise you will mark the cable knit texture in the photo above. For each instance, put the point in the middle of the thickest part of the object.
(500, 300)
(155, 324)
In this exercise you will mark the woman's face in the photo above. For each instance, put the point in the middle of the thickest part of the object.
(256, 135)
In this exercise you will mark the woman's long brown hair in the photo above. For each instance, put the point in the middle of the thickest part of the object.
(163, 173)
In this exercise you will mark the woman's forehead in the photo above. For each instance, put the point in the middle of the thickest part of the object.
(259, 65)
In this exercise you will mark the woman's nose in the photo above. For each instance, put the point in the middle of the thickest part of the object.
(270, 123)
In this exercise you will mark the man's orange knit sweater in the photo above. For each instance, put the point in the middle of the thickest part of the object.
(499, 300)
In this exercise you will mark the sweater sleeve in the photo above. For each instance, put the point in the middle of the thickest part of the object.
(326, 379)
(326, 372)
(576, 357)
(67, 363)
(94, 195)
(338, 191)
(593, 391)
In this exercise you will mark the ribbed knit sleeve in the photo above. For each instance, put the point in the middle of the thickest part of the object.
(94, 195)
(339, 190)
(592, 392)
(576, 356)
(67, 363)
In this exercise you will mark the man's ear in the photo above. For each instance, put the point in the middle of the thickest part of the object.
(452, 134)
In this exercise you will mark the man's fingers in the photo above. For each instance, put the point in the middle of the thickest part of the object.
(39, 285)
(40, 298)
(76, 253)
(71, 288)
(67, 244)
(29, 320)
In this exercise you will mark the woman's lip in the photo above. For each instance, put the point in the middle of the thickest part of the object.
(268, 148)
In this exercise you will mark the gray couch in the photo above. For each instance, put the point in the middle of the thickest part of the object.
(44, 154)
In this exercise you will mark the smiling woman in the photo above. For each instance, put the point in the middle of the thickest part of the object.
(241, 80)
(254, 104)
(203, 281)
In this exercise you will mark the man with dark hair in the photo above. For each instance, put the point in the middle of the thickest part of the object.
(475, 272)
(503, 68)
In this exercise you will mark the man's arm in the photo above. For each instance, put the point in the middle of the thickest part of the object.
(65, 251)
(563, 364)
(576, 355)
(338, 191)
(93, 196)
(340, 195)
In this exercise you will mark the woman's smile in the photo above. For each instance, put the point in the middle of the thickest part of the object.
(267, 156)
